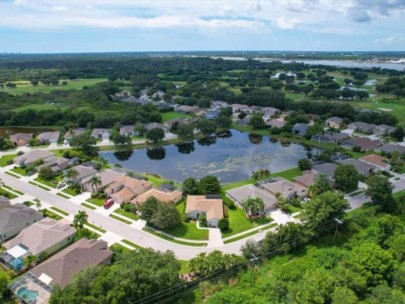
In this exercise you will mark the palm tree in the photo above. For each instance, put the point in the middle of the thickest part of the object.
(29, 260)
(80, 220)
(253, 205)
(94, 182)
(71, 173)
(38, 204)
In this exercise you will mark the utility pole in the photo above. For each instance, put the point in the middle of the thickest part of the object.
(338, 222)
(254, 260)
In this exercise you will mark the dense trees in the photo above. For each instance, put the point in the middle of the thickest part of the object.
(380, 191)
(204, 264)
(85, 143)
(155, 135)
(158, 214)
(346, 178)
(209, 185)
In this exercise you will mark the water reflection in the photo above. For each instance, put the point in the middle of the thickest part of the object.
(186, 148)
(255, 139)
(158, 153)
(207, 141)
(123, 155)
(224, 134)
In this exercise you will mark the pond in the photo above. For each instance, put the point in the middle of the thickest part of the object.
(231, 156)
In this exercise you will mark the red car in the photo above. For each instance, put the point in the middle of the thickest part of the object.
(108, 203)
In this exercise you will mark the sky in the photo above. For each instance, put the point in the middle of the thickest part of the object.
(56, 26)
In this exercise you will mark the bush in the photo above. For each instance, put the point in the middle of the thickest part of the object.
(229, 203)
(356, 149)
(185, 218)
(223, 224)
(19, 153)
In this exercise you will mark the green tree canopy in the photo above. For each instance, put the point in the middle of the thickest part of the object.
(380, 191)
(346, 178)
(209, 185)
(155, 135)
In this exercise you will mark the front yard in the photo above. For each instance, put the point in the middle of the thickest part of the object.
(19, 171)
(238, 222)
(6, 159)
(96, 201)
(49, 183)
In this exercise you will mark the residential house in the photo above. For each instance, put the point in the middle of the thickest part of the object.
(275, 123)
(300, 129)
(241, 194)
(49, 137)
(307, 179)
(178, 121)
(126, 188)
(218, 104)
(211, 115)
(127, 130)
(21, 139)
(162, 196)
(237, 107)
(270, 111)
(83, 172)
(334, 122)
(383, 130)
(4, 202)
(334, 138)
(378, 161)
(32, 157)
(154, 125)
(188, 109)
(55, 163)
(286, 188)
(364, 143)
(362, 127)
(59, 270)
(107, 177)
(327, 169)
(391, 148)
(101, 133)
(213, 208)
(158, 95)
(14, 218)
(362, 168)
(72, 133)
(123, 96)
(43, 237)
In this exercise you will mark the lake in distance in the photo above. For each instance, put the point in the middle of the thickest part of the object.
(231, 157)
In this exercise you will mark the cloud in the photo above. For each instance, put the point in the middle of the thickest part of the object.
(60, 8)
(359, 16)
(287, 23)
(388, 40)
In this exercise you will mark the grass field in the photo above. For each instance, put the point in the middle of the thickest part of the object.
(249, 234)
(173, 115)
(96, 201)
(19, 171)
(288, 174)
(238, 222)
(27, 87)
(6, 158)
(129, 215)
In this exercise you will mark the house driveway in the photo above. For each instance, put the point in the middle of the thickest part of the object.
(282, 218)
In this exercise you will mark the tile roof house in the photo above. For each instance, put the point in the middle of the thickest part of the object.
(62, 267)
(126, 188)
(334, 122)
(241, 194)
(83, 172)
(286, 188)
(362, 127)
(300, 129)
(127, 130)
(270, 111)
(275, 123)
(101, 133)
(163, 196)
(361, 167)
(49, 137)
(154, 125)
(307, 179)
(15, 218)
(55, 163)
(21, 139)
(383, 130)
(31, 157)
(390, 148)
(364, 143)
(107, 177)
(377, 161)
(213, 208)
(45, 236)
(327, 169)
(72, 133)
(335, 138)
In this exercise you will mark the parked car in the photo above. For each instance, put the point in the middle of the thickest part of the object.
(60, 186)
(108, 203)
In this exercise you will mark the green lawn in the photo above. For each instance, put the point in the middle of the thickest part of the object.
(4, 192)
(70, 191)
(238, 222)
(184, 266)
(60, 211)
(288, 174)
(157, 181)
(131, 244)
(119, 248)
(19, 171)
(129, 215)
(50, 183)
(120, 219)
(39, 186)
(96, 201)
(63, 195)
(188, 231)
(249, 234)
(173, 115)
(12, 189)
(50, 214)
(96, 227)
(87, 205)
(237, 184)
(6, 158)
(27, 87)
(12, 174)
(173, 240)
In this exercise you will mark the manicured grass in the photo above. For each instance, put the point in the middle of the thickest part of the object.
(60, 211)
(173, 240)
(70, 191)
(52, 215)
(238, 222)
(96, 227)
(127, 214)
(188, 231)
(288, 174)
(19, 170)
(62, 195)
(8, 194)
(131, 244)
(120, 219)
(184, 266)
(173, 115)
(51, 183)
(88, 206)
(39, 186)
(96, 201)
(237, 184)
(119, 248)
(7, 158)
(27, 87)
(249, 234)
(12, 189)
(157, 181)
(12, 174)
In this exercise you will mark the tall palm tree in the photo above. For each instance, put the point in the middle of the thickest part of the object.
(253, 205)
(71, 173)
(94, 182)
(80, 220)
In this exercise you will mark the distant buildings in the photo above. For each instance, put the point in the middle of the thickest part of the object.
(334, 122)
(21, 139)
(48, 137)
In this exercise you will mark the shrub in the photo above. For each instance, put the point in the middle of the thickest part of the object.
(223, 224)
(229, 203)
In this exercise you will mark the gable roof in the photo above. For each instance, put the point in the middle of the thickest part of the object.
(241, 194)
(390, 148)
(285, 188)
(32, 156)
(163, 196)
(12, 217)
(363, 142)
(307, 179)
(327, 169)
(64, 265)
(83, 171)
(376, 160)
(42, 235)
(107, 177)
(335, 119)
(137, 186)
(21, 136)
(213, 208)
(361, 167)
(49, 136)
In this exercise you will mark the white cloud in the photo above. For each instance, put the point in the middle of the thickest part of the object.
(287, 23)
(388, 40)
(60, 8)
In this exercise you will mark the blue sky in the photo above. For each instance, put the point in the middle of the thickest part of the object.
(30, 26)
